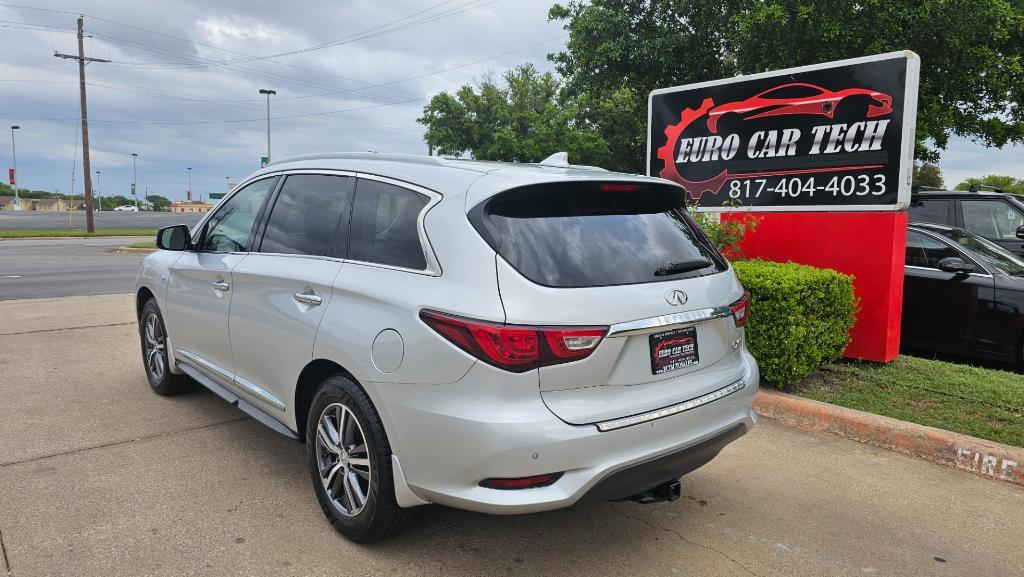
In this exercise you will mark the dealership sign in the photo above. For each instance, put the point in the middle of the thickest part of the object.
(835, 136)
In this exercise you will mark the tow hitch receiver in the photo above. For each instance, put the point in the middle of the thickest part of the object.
(665, 492)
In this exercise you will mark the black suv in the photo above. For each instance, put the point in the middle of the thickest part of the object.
(993, 215)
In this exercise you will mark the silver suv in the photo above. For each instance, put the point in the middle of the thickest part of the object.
(496, 337)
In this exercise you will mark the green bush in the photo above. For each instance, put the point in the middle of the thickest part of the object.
(800, 317)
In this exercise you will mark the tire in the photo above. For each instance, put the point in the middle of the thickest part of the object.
(362, 458)
(153, 337)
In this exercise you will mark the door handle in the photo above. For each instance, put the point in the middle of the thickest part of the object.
(308, 299)
(220, 285)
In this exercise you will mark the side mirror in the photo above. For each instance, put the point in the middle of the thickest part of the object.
(176, 237)
(955, 264)
(1020, 232)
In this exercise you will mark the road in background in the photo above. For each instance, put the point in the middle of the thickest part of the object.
(22, 220)
(99, 476)
(64, 267)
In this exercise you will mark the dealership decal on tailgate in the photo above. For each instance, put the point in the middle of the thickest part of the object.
(673, 350)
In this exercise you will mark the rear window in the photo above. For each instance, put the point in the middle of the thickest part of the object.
(596, 234)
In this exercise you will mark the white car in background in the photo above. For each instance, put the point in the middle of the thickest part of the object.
(126, 208)
(503, 338)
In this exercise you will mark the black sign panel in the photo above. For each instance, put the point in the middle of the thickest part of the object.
(673, 350)
(822, 137)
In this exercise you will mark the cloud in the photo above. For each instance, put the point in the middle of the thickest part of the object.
(204, 89)
(185, 64)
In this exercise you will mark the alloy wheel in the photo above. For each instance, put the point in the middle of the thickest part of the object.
(154, 336)
(343, 459)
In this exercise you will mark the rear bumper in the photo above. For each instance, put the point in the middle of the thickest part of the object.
(495, 424)
(648, 474)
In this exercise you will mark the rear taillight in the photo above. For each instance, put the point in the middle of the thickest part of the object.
(741, 309)
(515, 348)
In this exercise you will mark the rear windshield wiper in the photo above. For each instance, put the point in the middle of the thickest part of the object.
(684, 266)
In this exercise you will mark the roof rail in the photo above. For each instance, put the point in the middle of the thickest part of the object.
(978, 187)
(370, 155)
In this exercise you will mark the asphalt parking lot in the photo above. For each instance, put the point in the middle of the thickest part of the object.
(22, 220)
(65, 267)
(98, 476)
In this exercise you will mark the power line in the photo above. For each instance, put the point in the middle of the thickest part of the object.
(225, 121)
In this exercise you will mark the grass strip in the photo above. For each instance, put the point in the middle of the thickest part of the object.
(977, 401)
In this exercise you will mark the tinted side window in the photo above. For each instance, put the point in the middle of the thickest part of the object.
(930, 210)
(229, 228)
(384, 225)
(307, 214)
(992, 219)
(924, 251)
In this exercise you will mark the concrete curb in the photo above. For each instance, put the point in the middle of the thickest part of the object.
(978, 456)
(4, 239)
(127, 248)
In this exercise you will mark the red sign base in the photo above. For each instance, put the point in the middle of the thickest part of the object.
(868, 245)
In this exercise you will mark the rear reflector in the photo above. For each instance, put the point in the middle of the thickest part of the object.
(515, 348)
(521, 482)
(741, 309)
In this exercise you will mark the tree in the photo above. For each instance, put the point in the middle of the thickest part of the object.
(1006, 183)
(524, 120)
(927, 174)
(114, 201)
(972, 53)
(160, 203)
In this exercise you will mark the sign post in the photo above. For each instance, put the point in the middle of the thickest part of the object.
(822, 155)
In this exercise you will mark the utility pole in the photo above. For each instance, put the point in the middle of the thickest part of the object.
(14, 158)
(82, 61)
(134, 174)
(268, 93)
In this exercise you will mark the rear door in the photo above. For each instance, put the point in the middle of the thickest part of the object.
(996, 219)
(627, 256)
(282, 288)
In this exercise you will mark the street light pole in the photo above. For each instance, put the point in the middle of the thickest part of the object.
(99, 199)
(268, 93)
(189, 183)
(135, 180)
(14, 158)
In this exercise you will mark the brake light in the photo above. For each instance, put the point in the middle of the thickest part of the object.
(741, 309)
(515, 348)
(616, 187)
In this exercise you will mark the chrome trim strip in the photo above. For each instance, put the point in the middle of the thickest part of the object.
(650, 325)
(208, 368)
(656, 414)
(226, 378)
(259, 392)
(944, 272)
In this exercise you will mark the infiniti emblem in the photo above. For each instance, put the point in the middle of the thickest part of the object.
(675, 297)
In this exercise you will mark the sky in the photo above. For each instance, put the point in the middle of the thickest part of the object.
(182, 87)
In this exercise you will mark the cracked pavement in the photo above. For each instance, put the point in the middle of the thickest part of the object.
(98, 476)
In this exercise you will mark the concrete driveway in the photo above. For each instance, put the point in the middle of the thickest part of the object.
(98, 476)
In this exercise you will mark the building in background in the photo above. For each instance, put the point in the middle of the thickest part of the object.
(40, 204)
(195, 206)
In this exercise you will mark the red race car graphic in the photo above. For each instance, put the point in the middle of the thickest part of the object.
(780, 101)
(669, 344)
